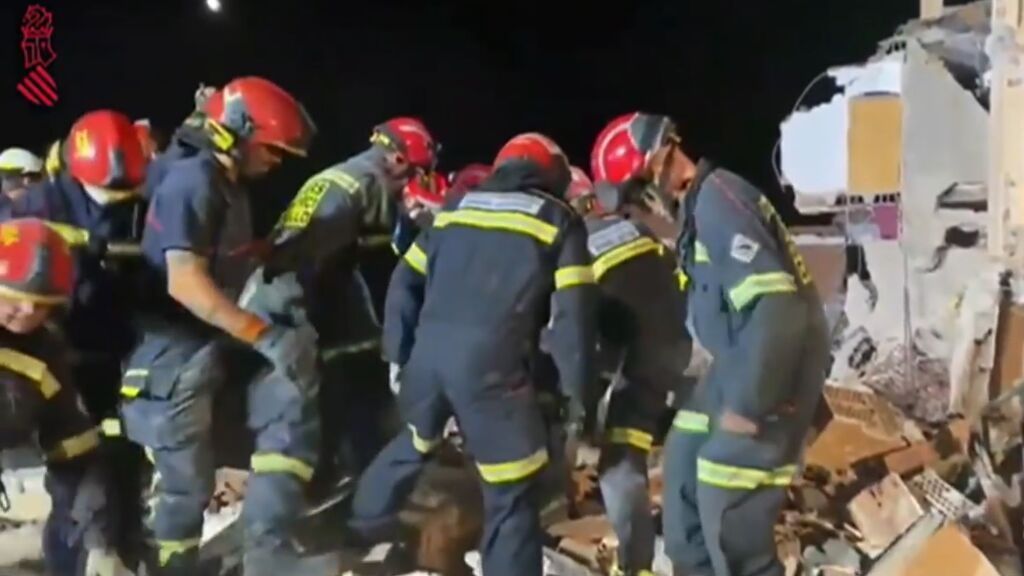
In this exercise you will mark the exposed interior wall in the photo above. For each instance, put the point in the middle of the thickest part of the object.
(919, 317)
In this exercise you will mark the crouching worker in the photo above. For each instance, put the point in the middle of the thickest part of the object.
(39, 400)
(640, 319)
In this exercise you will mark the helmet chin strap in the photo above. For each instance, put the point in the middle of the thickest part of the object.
(657, 195)
(105, 196)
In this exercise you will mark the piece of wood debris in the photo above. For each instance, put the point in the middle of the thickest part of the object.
(883, 512)
(843, 442)
(949, 553)
(587, 529)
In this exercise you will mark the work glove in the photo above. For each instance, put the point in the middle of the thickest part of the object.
(292, 351)
(394, 378)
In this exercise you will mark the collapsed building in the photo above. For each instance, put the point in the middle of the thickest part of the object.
(918, 156)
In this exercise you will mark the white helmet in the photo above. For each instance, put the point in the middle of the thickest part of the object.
(21, 161)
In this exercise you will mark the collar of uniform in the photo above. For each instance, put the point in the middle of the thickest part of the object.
(688, 232)
(228, 188)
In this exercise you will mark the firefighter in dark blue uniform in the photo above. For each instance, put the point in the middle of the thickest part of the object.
(312, 269)
(95, 204)
(40, 402)
(464, 314)
(195, 245)
(646, 347)
(735, 444)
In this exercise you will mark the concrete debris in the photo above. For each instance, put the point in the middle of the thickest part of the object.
(884, 511)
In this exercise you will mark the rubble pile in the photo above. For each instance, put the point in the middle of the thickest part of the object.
(882, 493)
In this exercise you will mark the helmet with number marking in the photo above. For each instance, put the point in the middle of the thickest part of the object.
(104, 154)
(35, 262)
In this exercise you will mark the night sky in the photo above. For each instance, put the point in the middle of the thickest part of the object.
(477, 72)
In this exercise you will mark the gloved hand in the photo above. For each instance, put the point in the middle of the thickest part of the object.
(292, 351)
(394, 378)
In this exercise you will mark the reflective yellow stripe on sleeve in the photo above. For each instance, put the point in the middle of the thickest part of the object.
(739, 478)
(73, 235)
(128, 389)
(416, 259)
(684, 280)
(569, 276)
(620, 254)
(515, 470)
(75, 446)
(421, 444)
(700, 253)
(757, 285)
(32, 368)
(494, 220)
(691, 422)
(276, 463)
(168, 548)
(631, 437)
(111, 427)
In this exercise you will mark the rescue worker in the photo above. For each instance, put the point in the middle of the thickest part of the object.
(645, 346)
(147, 138)
(40, 402)
(468, 178)
(19, 169)
(195, 245)
(93, 201)
(312, 269)
(495, 266)
(422, 198)
(735, 444)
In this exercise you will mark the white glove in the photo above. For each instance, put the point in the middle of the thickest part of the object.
(394, 378)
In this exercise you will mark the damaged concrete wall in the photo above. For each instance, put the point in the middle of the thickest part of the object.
(919, 320)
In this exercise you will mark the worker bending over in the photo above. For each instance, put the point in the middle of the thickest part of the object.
(195, 245)
(464, 313)
(645, 344)
(734, 446)
(40, 402)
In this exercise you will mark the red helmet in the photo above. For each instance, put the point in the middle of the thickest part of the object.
(103, 152)
(255, 110)
(429, 190)
(580, 185)
(410, 138)
(469, 177)
(626, 144)
(541, 151)
(35, 262)
(145, 133)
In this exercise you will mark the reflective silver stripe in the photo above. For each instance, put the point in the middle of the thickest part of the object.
(502, 201)
(611, 237)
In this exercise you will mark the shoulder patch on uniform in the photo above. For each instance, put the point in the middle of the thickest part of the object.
(611, 237)
(301, 209)
(743, 248)
(502, 202)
